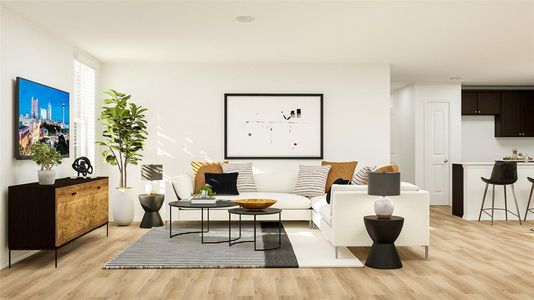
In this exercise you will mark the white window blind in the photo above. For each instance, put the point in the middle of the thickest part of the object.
(84, 110)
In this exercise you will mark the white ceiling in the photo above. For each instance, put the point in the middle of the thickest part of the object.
(481, 42)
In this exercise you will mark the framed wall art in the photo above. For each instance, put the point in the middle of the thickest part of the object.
(273, 126)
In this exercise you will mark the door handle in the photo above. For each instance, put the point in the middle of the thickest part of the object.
(445, 161)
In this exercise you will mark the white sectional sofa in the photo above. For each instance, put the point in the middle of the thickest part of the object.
(341, 221)
(270, 186)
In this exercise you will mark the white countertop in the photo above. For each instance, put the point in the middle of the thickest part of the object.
(487, 163)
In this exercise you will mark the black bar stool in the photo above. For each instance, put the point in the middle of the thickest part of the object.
(504, 173)
(529, 198)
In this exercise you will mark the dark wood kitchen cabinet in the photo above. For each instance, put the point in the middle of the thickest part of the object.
(517, 115)
(481, 102)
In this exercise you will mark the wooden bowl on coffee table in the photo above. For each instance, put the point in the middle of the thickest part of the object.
(255, 204)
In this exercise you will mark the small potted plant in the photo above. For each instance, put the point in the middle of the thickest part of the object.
(205, 191)
(45, 157)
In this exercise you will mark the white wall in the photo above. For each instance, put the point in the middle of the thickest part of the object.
(479, 143)
(30, 52)
(403, 131)
(185, 103)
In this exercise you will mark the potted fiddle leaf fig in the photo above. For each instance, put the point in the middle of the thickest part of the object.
(124, 135)
(45, 157)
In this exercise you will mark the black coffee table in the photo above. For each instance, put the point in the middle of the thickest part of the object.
(383, 232)
(245, 212)
(202, 207)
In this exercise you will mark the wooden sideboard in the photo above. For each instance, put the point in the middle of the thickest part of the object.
(47, 217)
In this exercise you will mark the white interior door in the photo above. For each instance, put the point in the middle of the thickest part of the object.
(437, 166)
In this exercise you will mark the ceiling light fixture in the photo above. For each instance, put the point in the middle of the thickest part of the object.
(245, 19)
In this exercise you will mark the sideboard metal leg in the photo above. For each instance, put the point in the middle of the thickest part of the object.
(10, 258)
(337, 251)
(426, 251)
(55, 257)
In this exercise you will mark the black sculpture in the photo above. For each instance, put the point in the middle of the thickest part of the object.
(83, 166)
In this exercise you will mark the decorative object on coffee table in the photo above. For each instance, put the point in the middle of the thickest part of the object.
(384, 184)
(255, 204)
(83, 166)
(151, 203)
(383, 232)
(151, 173)
(202, 207)
(245, 212)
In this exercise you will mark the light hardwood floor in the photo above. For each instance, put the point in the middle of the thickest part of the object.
(467, 260)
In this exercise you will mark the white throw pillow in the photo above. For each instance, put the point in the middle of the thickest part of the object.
(361, 177)
(183, 186)
(245, 179)
(311, 180)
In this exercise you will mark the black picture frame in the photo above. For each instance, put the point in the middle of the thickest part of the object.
(321, 103)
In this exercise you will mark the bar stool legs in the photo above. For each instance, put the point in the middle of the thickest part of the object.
(516, 206)
(528, 203)
(506, 211)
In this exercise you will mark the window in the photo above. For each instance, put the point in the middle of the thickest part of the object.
(84, 110)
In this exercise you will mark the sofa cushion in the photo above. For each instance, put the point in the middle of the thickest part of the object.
(343, 170)
(361, 177)
(284, 200)
(245, 180)
(311, 180)
(200, 167)
(276, 182)
(223, 184)
(405, 187)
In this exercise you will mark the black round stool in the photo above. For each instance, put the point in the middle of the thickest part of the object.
(383, 232)
(151, 204)
(531, 210)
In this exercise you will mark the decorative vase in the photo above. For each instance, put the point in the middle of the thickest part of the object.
(384, 207)
(123, 206)
(46, 177)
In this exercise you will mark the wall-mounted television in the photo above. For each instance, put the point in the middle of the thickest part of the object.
(42, 115)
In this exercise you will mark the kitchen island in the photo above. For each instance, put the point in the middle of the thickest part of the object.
(468, 190)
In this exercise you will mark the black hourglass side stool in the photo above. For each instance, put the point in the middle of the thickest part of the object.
(504, 173)
(529, 199)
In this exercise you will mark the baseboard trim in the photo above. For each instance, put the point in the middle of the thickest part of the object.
(15, 260)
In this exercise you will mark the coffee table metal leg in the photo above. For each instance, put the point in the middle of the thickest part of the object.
(255, 248)
(279, 229)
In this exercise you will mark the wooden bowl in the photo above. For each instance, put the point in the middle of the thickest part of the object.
(255, 204)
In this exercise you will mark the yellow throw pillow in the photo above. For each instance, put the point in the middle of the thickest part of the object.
(344, 170)
(201, 167)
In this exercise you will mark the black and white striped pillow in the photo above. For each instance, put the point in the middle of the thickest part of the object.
(311, 180)
(245, 179)
(361, 177)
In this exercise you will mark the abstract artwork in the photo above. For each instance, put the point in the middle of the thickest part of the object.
(273, 126)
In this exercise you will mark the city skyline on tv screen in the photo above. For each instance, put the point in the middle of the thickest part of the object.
(43, 116)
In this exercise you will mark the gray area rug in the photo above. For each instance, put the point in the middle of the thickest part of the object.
(155, 250)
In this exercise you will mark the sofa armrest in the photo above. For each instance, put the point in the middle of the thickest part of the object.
(182, 186)
(349, 208)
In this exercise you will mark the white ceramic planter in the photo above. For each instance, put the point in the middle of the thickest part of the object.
(384, 207)
(123, 206)
(46, 177)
